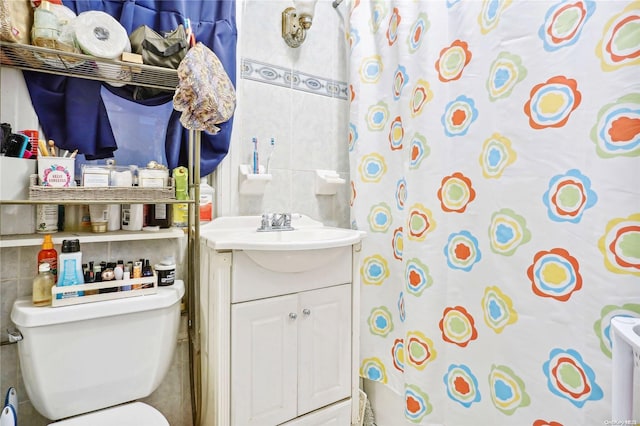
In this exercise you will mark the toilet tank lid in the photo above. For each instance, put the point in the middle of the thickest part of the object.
(24, 314)
(133, 414)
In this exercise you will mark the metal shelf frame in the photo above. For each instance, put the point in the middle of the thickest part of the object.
(45, 60)
(51, 61)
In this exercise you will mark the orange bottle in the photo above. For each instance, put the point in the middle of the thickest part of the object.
(49, 255)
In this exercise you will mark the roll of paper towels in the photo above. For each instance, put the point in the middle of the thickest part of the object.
(100, 35)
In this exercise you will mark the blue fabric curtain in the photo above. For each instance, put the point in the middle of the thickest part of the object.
(71, 110)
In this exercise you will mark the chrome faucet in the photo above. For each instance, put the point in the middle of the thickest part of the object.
(275, 222)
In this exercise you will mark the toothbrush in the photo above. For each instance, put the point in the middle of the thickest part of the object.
(256, 166)
(272, 147)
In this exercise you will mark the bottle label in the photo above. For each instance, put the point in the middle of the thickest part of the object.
(47, 218)
(160, 212)
(69, 277)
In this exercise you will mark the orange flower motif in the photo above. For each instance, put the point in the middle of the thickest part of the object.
(555, 274)
(353, 193)
(551, 103)
(453, 60)
(458, 326)
(455, 193)
(540, 422)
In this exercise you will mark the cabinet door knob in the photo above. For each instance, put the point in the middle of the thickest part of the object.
(306, 311)
(293, 315)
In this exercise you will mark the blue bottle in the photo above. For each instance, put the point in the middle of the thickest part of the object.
(70, 268)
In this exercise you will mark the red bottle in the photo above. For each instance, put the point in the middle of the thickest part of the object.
(49, 254)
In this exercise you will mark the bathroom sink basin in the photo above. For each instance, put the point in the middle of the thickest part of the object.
(310, 245)
(240, 233)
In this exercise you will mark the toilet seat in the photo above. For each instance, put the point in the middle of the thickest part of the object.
(131, 414)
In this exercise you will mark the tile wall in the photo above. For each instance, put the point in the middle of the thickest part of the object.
(299, 97)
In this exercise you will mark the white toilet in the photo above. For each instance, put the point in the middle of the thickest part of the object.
(84, 363)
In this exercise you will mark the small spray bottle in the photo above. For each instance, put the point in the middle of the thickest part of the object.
(256, 164)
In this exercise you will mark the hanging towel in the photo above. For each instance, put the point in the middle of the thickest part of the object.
(205, 94)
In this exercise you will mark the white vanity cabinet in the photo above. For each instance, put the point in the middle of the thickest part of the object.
(278, 332)
(290, 355)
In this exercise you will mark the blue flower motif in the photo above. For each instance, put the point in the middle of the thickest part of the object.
(401, 311)
(564, 22)
(458, 116)
(462, 251)
(462, 385)
(570, 378)
(568, 196)
(353, 136)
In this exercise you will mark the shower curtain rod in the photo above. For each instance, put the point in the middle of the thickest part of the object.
(336, 3)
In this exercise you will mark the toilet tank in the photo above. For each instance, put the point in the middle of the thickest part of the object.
(80, 358)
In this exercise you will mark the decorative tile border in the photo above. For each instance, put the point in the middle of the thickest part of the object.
(284, 77)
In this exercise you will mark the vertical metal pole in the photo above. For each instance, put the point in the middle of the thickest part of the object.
(193, 247)
(196, 279)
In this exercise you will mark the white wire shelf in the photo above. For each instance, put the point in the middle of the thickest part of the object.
(41, 59)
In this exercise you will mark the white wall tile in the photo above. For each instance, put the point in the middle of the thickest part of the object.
(310, 127)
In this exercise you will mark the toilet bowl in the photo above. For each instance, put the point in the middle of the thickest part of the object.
(87, 364)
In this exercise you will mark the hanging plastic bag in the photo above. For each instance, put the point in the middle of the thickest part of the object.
(158, 50)
(166, 50)
(205, 94)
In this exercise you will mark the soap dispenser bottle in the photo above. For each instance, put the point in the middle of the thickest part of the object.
(70, 262)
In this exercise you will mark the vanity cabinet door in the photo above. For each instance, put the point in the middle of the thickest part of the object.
(324, 347)
(264, 361)
(338, 414)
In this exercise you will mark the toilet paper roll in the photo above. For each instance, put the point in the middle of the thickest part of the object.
(100, 35)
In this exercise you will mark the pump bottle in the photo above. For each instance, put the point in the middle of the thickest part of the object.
(70, 261)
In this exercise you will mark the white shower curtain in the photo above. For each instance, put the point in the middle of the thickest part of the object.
(494, 150)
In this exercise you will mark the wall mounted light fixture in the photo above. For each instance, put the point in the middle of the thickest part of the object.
(296, 21)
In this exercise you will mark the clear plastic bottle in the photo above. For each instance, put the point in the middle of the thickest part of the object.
(206, 202)
(42, 284)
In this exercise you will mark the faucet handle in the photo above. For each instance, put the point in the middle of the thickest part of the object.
(264, 222)
(276, 220)
(286, 223)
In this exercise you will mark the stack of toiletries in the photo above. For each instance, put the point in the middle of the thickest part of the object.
(77, 280)
(106, 179)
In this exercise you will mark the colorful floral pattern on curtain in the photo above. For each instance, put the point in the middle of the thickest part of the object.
(494, 152)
